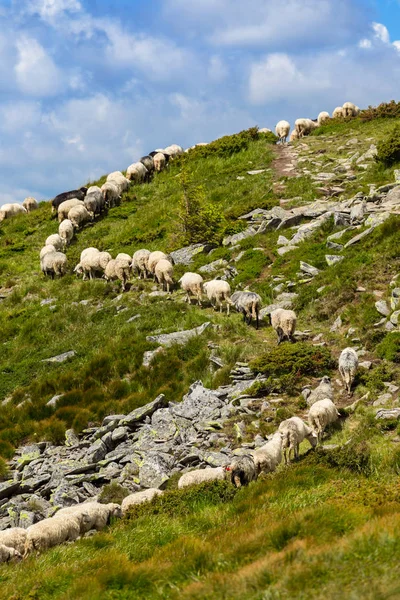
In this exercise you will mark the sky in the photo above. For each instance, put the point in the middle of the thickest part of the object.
(89, 86)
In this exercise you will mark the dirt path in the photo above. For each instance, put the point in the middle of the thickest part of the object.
(285, 161)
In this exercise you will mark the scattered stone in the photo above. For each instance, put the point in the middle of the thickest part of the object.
(366, 364)
(382, 308)
(389, 326)
(382, 400)
(185, 256)
(53, 401)
(391, 413)
(309, 269)
(230, 240)
(214, 266)
(149, 355)
(178, 337)
(394, 317)
(336, 324)
(256, 172)
(131, 319)
(60, 357)
(393, 389)
(333, 259)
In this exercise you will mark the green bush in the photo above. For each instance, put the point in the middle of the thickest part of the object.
(3, 469)
(386, 110)
(231, 144)
(355, 456)
(389, 149)
(113, 492)
(389, 348)
(300, 359)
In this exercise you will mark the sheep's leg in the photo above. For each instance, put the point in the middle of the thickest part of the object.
(187, 299)
(257, 320)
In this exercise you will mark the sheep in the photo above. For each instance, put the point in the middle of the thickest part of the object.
(348, 364)
(164, 273)
(54, 263)
(282, 130)
(139, 498)
(200, 475)
(294, 136)
(66, 231)
(140, 262)
(321, 414)
(46, 250)
(11, 210)
(89, 263)
(117, 269)
(242, 470)
(14, 538)
(217, 292)
(91, 515)
(137, 172)
(93, 188)
(349, 109)
(51, 532)
(7, 553)
(269, 456)
(264, 130)
(30, 204)
(78, 215)
(66, 206)
(119, 180)
(323, 118)
(111, 193)
(192, 283)
(104, 259)
(159, 161)
(337, 113)
(249, 304)
(153, 259)
(94, 203)
(55, 240)
(303, 127)
(148, 162)
(173, 150)
(58, 200)
(324, 390)
(294, 431)
(284, 323)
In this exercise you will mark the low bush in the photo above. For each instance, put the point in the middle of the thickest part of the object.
(231, 144)
(386, 110)
(389, 348)
(299, 359)
(389, 149)
(355, 456)
(113, 492)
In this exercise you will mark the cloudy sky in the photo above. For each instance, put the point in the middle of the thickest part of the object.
(88, 86)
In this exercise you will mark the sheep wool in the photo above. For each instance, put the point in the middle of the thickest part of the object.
(348, 364)
(14, 538)
(164, 272)
(294, 431)
(323, 390)
(66, 231)
(321, 414)
(66, 206)
(242, 470)
(78, 215)
(140, 261)
(282, 130)
(30, 204)
(192, 283)
(218, 291)
(284, 323)
(337, 113)
(323, 117)
(200, 476)
(51, 532)
(249, 304)
(269, 456)
(11, 210)
(153, 259)
(139, 498)
(7, 554)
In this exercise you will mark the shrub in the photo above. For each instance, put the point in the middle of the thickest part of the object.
(386, 110)
(3, 469)
(299, 359)
(389, 149)
(389, 348)
(113, 492)
(355, 456)
(231, 144)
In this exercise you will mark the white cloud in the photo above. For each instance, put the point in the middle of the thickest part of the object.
(365, 43)
(217, 69)
(50, 9)
(35, 71)
(396, 44)
(381, 32)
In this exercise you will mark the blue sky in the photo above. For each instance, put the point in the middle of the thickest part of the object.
(88, 86)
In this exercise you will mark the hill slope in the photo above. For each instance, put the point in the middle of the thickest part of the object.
(292, 532)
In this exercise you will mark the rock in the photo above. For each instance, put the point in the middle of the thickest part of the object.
(282, 241)
(155, 470)
(366, 364)
(184, 256)
(26, 519)
(214, 266)
(149, 355)
(71, 439)
(60, 357)
(368, 155)
(391, 413)
(382, 308)
(341, 219)
(47, 301)
(333, 259)
(119, 434)
(96, 451)
(309, 269)
(53, 401)
(389, 326)
(394, 317)
(8, 489)
(256, 172)
(393, 389)
(139, 414)
(334, 246)
(131, 319)
(230, 240)
(383, 399)
(178, 337)
(284, 249)
(336, 324)
(65, 495)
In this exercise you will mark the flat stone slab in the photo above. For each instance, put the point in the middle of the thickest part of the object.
(177, 337)
(390, 413)
(60, 357)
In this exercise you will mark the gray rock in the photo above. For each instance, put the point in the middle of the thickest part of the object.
(366, 364)
(214, 266)
(8, 489)
(389, 326)
(216, 459)
(309, 269)
(134, 318)
(341, 219)
(390, 413)
(285, 249)
(97, 451)
(60, 357)
(230, 240)
(336, 324)
(65, 495)
(26, 519)
(112, 419)
(383, 399)
(71, 439)
(155, 470)
(334, 245)
(184, 256)
(382, 308)
(359, 237)
(139, 414)
(256, 171)
(119, 435)
(149, 355)
(394, 317)
(47, 301)
(333, 259)
(178, 337)
(393, 389)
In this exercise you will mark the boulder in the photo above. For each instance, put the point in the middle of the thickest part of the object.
(333, 259)
(60, 357)
(184, 256)
(177, 337)
(139, 414)
(382, 308)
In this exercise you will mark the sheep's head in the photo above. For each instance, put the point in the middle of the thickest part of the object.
(78, 270)
(313, 439)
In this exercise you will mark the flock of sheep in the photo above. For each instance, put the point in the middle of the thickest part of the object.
(303, 127)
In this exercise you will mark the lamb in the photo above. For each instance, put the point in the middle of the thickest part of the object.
(337, 113)
(348, 364)
(269, 456)
(78, 215)
(159, 161)
(7, 553)
(117, 269)
(284, 323)
(55, 240)
(192, 283)
(140, 262)
(66, 206)
(323, 118)
(89, 263)
(349, 109)
(249, 304)
(58, 200)
(30, 204)
(200, 476)
(54, 263)
(139, 498)
(14, 538)
(153, 259)
(91, 515)
(46, 250)
(242, 470)
(164, 273)
(294, 431)
(321, 414)
(51, 532)
(218, 291)
(137, 172)
(66, 231)
(111, 193)
(11, 210)
(294, 136)
(282, 130)
(323, 390)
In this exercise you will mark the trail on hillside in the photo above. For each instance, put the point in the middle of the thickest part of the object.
(285, 162)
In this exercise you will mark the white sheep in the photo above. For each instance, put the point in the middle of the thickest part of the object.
(294, 431)
(11, 210)
(242, 470)
(55, 240)
(140, 262)
(164, 272)
(349, 109)
(136, 172)
(66, 231)
(337, 113)
(139, 498)
(46, 250)
(173, 150)
(284, 323)
(159, 161)
(7, 553)
(153, 259)
(66, 206)
(218, 291)
(104, 259)
(294, 136)
(321, 414)
(323, 390)
(14, 538)
(323, 118)
(53, 264)
(79, 215)
(192, 283)
(269, 456)
(91, 515)
(89, 263)
(249, 304)
(302, 127)
(117, 269)
(51, 532)
(30, 204)
(119, 180)
(282, 130)
(201, 475)
(111, 193)
(264, 130)
(348, 364)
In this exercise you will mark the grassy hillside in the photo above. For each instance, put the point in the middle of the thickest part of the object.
(323, 528)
